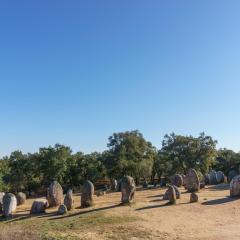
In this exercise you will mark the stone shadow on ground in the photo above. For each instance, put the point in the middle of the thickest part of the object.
(157, 200)
(20, 217)
(156, 196)
(154, 206)
(15, 218)
(220, 201)
(219, 187)
(84, 212)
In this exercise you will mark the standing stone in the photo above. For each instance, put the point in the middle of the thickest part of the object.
(1, 201)
(55, 194)
(192, 181)
(220, 177)
(87, 195)
(119, 182)
(62, 209)
(114, 185)
(21, 198)
(213, 177)
(177, 180)
(166, 196)
(235, 187)
(232, 173)
(39, 206)
(9, 204)
(145, 184)
(128, 189)
(183, 177)
(172, 195)
(68, 200)
(193, 198)
(202, 180)
(163, 182)
(207, 179)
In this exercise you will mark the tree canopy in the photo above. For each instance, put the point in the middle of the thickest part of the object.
(128, 153)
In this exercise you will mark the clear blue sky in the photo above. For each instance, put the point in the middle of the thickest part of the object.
(74, 72)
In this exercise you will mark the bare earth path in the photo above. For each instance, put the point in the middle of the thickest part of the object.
(216, 216)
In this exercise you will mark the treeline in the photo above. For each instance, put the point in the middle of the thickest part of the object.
(128, 153)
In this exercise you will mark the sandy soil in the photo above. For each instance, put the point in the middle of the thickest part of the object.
(215, 216)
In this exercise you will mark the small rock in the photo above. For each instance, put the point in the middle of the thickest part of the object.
(39, 206)
(101, 193)
(62, 209)
(193, 198)
(21, 198)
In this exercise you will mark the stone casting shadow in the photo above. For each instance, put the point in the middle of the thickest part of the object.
(154, 206)
(15, 218)
(156, 196)
(84, 212)
(223, 186)
(157, 200)
(220, 201)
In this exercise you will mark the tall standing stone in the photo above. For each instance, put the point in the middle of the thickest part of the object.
(235, 187)
(232, 173)
(172, 195)
(177, 180)
(55, 194)
(114, 185)
(68, 200)
(192, 181)
(87, 194)
(9, 204)
(213, 177)
(1, 201)
(206, 178)
(220, 177)
(166, 196)
(128, 189)
(202, 180)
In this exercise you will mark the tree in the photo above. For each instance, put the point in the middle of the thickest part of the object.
(84, 167)
(161, 165)
(226, 160)
(184, 152)
(4, 172)
(129, 154)
(53, 163)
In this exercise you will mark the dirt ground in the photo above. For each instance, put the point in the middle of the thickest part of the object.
(215, 216)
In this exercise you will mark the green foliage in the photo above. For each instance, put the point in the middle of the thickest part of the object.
(179, 153)
(53, 163)
(4, 172)
(226, 160)
(129, 153)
